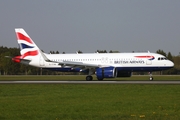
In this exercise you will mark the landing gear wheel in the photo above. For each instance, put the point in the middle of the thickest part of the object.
(89, 78)
(151, 78)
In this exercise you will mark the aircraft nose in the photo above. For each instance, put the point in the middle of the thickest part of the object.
(171, 64)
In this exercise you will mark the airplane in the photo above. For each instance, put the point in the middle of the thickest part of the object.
(103, 65)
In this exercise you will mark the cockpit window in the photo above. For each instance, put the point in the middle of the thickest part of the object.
(162, 58)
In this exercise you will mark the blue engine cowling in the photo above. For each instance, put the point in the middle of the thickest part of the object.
(107, 72)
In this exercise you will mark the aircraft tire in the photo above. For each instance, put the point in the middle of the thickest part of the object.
(89, 78)
(151, 78)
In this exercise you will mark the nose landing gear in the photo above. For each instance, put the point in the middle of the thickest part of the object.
(150, 76)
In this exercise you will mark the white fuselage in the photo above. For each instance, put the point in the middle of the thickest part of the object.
(133, 61)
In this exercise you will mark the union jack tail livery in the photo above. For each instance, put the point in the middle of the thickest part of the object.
(26, 44)
(30, 53)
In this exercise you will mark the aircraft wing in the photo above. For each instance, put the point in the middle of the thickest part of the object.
(79, 64)
(73, 64)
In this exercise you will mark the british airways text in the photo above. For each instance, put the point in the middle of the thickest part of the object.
(130, 62)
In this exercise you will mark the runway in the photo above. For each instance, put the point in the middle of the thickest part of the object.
(90, 82)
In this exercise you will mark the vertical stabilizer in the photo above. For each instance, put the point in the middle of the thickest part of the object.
(26, 44)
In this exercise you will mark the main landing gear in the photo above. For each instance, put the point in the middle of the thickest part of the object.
(91, 72)
(89, 78)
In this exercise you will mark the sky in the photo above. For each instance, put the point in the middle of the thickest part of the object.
(90, 25)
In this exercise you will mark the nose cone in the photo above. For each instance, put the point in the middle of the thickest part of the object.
(170, 64)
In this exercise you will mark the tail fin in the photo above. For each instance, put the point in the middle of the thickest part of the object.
(28, 49)
(26, 44)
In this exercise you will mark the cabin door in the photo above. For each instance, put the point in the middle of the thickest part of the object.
(104, 60)
(41, 61)
(149, 60)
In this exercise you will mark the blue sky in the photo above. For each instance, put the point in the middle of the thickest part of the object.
(90, 25)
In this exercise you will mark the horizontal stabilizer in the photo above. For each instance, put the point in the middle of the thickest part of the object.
(8, 56)
(18, 59)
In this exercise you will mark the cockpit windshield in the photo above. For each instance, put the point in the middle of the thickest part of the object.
(162, 58)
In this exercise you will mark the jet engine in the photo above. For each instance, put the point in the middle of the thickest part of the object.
(107, 72)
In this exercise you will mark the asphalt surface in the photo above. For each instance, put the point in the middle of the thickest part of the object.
(90, 82)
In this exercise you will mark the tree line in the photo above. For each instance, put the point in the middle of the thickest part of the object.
(8, 67)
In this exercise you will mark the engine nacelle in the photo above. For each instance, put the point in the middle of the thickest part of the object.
(124, 74)
(107, 72)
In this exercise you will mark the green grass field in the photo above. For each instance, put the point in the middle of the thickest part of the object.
(89, 101)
